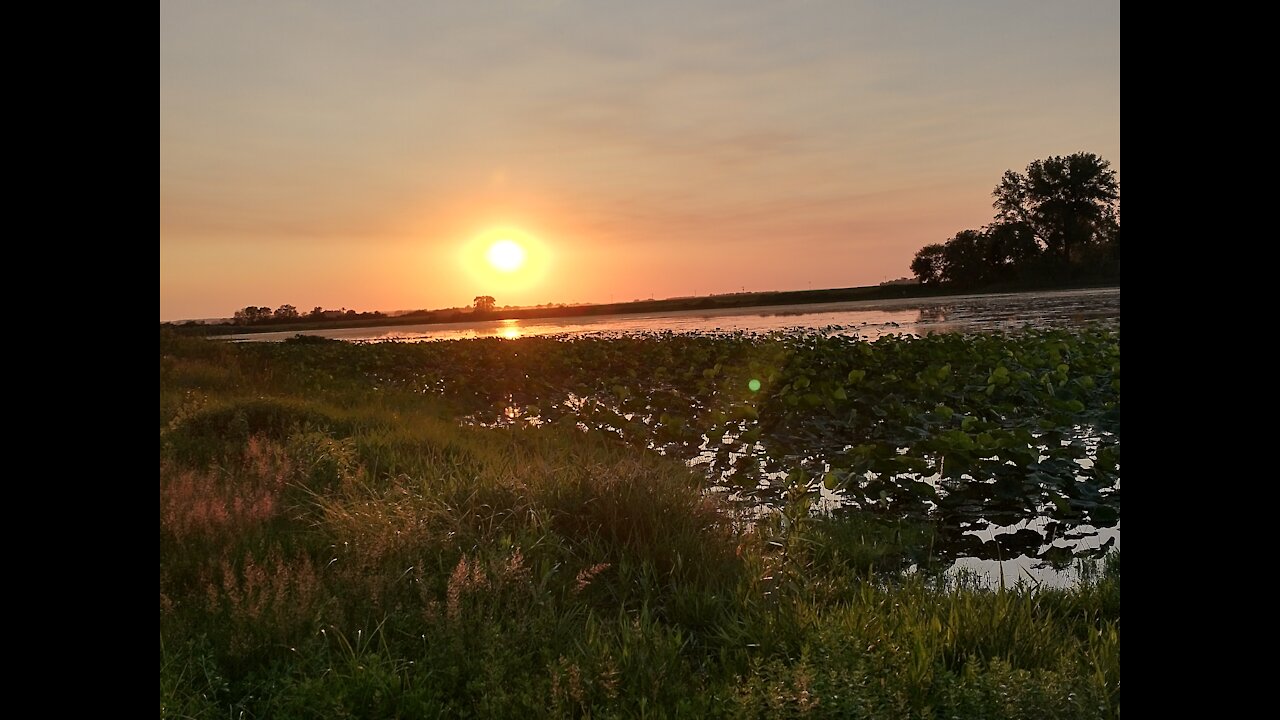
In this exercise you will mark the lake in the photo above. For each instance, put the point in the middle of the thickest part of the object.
(868, 318)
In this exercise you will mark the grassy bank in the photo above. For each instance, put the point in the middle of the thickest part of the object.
(334, 543)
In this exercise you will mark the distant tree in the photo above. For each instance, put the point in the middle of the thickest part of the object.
(929, 263)
(1066, 202)
(286, 312)
(485, 303)
(251, 314)
(316, 312)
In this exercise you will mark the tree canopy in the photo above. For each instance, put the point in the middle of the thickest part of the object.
(1066, 202)
(263, 315)
(1060, 219)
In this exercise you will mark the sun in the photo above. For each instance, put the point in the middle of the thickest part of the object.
(506, 255)
(505, 258)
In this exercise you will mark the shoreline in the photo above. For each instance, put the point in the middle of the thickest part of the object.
(712, 302)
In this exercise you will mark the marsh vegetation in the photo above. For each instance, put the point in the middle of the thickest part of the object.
(697, 525)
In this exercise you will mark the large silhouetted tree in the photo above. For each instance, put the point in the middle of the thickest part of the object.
(485, 303)
(1058, 220)
(1066, 202)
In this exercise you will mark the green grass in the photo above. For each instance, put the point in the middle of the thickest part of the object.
(334, 545)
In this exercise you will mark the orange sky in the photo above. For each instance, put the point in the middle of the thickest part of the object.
(359, 154)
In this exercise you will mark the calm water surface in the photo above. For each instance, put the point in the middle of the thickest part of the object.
(870, 318)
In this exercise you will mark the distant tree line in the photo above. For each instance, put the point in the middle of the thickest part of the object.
(1059, 221)
(264, 315)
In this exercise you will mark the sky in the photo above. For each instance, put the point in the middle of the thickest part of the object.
(366, 155)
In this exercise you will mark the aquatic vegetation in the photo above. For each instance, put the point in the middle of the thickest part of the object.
(966, 431)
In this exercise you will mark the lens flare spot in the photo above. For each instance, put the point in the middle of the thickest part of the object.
(754, 385)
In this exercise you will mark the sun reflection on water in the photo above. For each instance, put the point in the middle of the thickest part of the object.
(509, 329)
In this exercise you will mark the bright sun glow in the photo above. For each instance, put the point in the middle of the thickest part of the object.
(506, 261)
(506, 255)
